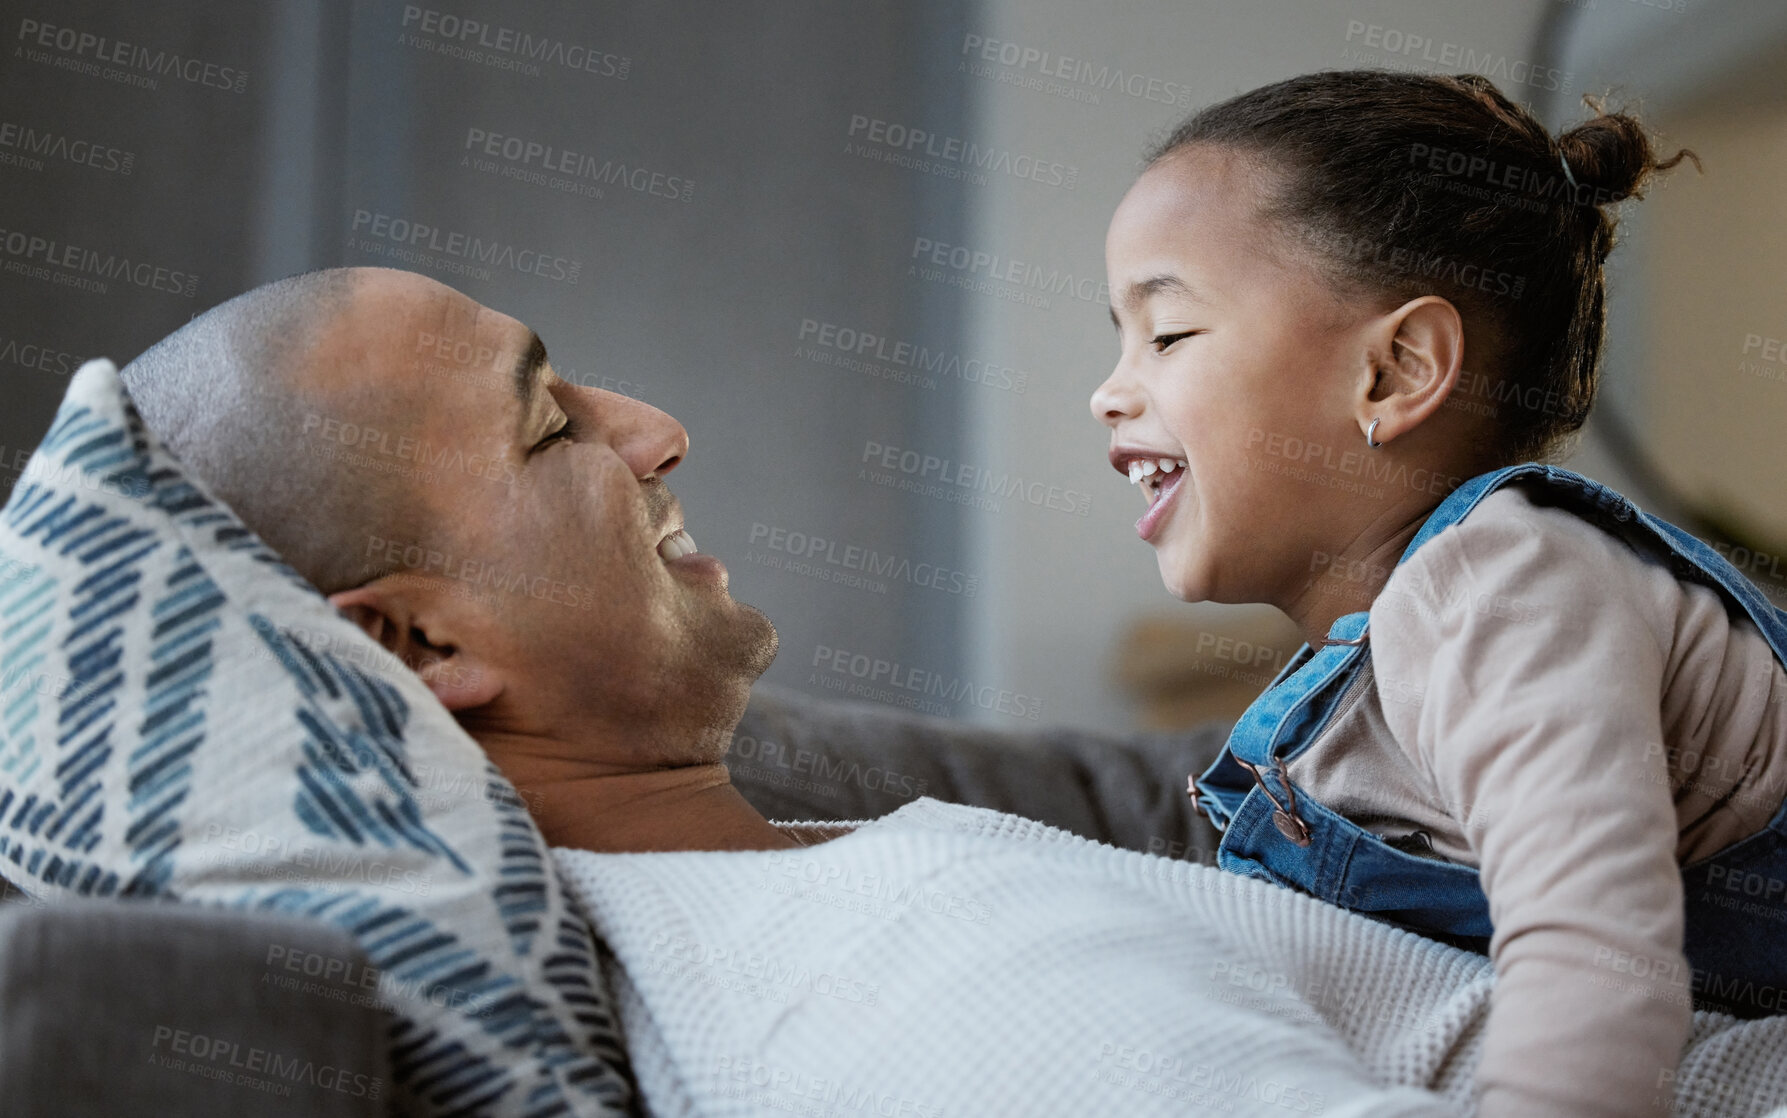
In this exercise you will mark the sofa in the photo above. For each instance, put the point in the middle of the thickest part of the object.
(118, 1007)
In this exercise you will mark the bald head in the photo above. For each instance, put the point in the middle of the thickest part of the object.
(507, 534)
(236, 394)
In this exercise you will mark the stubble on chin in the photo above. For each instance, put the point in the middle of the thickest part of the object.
(736, 651)
(761, 641)
(733, 645)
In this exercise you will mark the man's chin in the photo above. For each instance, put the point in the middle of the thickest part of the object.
(733, 648)
(760, 643)
(738, 660)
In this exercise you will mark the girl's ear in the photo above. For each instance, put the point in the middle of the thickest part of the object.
(1419, 366)
(418, 629)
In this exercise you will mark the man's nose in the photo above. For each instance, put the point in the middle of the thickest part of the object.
(649, 441)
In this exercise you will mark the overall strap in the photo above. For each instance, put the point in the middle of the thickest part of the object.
(1277, 716)
(1718, 570)
(1303, 695)
(1271, 833)
(1687, 557)
(1465, 498)
(1286, 713)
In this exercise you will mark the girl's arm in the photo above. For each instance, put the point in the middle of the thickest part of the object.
(1532, 650)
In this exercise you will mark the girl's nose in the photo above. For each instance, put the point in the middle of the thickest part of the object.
(1116, 399)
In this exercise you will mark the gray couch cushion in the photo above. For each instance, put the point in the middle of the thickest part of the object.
(138, 1008)
(191, 720)
(798, 757)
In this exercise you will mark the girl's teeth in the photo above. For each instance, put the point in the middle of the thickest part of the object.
(676, 545)
(1140, 469)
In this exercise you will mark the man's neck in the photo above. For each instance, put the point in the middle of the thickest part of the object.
(689, 808)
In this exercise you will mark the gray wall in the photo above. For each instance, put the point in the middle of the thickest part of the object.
(789, 310)
(172, 185)
(694, 302)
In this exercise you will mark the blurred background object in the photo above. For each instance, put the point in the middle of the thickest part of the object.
(858, 251)
(1182, 672)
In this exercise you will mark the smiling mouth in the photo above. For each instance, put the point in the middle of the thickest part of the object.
(1159, 475)
(676, 545)
(1156, 476)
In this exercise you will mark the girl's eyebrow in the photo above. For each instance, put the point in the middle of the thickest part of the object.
(1164, 284)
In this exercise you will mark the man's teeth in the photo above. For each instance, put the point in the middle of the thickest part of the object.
(676, 545)
(1142, 468)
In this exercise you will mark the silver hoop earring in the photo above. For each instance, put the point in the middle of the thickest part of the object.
(1369, 441)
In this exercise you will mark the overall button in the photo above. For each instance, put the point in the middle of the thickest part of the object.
(1284, 816)
(1291, 827)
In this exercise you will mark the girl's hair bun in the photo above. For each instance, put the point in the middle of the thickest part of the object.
(1611, 157)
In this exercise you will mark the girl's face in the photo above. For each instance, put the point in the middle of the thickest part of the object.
(1240, 363)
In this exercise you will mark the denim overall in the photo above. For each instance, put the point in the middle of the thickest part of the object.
(1736, 911)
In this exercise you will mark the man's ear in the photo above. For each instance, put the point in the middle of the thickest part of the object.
(1420, 348)
(421, 630)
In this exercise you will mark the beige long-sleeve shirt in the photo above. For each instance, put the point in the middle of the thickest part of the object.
(1575, 722)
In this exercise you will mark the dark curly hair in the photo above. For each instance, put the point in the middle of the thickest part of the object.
(1401, 184)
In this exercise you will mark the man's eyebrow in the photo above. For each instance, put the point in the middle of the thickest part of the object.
(526, 369)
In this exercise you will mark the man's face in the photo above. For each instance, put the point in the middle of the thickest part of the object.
(548, 541)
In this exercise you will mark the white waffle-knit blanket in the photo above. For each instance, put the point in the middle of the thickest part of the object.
(953, 961)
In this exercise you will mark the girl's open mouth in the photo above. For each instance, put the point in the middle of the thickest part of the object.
(1159, 481)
